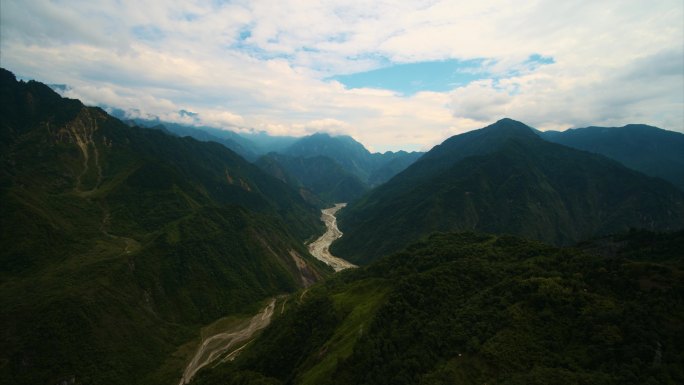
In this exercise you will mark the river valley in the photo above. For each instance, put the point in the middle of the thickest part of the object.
(228, 344)
(320, 248)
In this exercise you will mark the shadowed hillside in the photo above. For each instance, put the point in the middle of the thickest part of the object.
(648, 149)
(474, 309)
(119, 242)
(505, 179)
(372, 169)
(317, 175)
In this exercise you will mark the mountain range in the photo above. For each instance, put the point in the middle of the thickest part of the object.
(502, 255)
(504, 178)
(371, 168)
(349, 166)
(644, 148)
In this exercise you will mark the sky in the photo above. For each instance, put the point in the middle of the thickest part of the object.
(392, 74)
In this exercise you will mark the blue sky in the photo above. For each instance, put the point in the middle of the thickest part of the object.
(409, 78)
(394, 75)
(438, 76)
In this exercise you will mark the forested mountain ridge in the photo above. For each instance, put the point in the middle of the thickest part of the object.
(471, 309)
(318, 176)
(345, 158)
(505, 179)
(118, 242)
(644, 148)
(371, 168)
(233, 141)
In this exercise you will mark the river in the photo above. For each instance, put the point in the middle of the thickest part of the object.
(320, 248)
(228, 344)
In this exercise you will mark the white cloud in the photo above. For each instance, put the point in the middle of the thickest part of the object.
(262, 64)
(221, 118)
(481, 101)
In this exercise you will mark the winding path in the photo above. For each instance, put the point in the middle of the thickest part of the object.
(320, 248)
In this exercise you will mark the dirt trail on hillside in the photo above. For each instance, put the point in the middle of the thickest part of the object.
(228, 343)
(320, 248)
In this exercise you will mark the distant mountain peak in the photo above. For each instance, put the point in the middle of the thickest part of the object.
(335, 137)
(509, 120)
(321, 134)
(476, 142)
(509, 125)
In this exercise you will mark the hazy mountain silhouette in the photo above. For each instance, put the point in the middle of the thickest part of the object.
(651, 150)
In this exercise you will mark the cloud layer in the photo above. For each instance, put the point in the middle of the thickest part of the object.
(267, 65)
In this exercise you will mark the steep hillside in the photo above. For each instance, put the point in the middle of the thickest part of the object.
(505, 179)
(476, 309)
(233, 141)
(391, 164)
(648, 149)
(118, 243)
(344, 150)
(229, 139)
(372, 169)
(266, 143)
(319, 175)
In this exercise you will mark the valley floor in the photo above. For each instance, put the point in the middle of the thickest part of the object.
(320, 248)
(227, 344)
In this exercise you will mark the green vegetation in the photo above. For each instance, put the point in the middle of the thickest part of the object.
(372, 169)
(119, 243)
(121, 247)
(319, 176)
(471, 309)
(651, 150)
(233, 141)
(505, 179)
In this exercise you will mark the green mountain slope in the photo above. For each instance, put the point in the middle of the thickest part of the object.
(236, 142)
(505, 179)
(266, 143)
(372, 169)
(229, 139)
(390, 164)
(473, 309)
(651, 150)
(118, 243)
(319, 175)
(344, 150)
